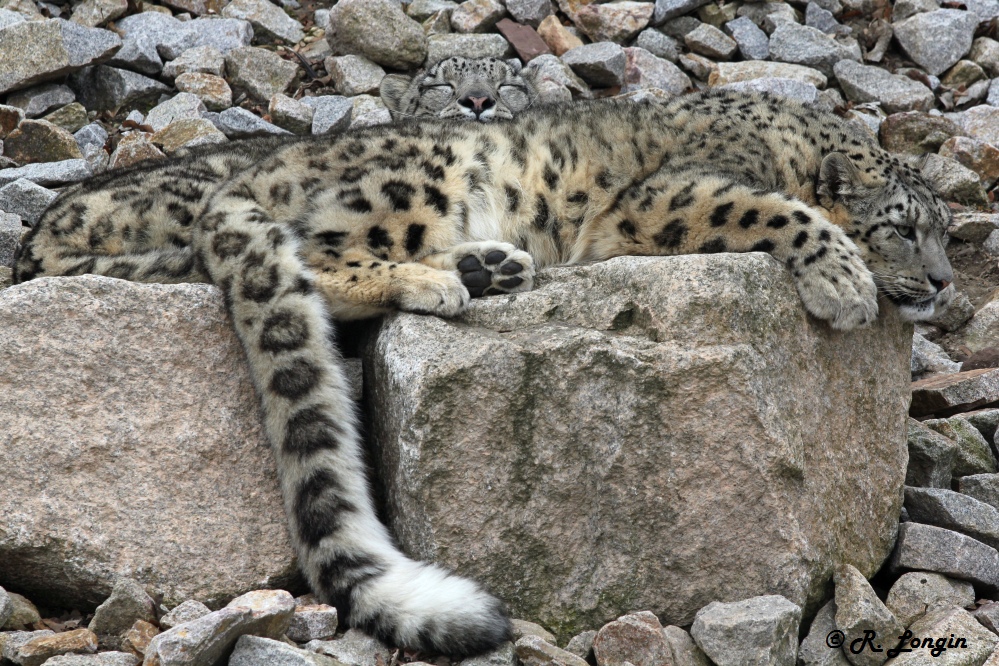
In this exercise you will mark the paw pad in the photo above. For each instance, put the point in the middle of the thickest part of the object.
(495, 272)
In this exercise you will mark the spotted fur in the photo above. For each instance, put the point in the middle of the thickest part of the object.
(425, 215)
(483, 89)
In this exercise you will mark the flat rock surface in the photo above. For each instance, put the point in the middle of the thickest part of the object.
(613, 415)
(150, 471)
(958, 392)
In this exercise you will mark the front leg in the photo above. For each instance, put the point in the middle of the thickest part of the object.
(692, 213)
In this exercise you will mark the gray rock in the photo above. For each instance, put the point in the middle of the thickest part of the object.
(291, 114)
(7, 17)
(973, 226)
(15, 639)
(27, 200)
(253, 651)
(104, 88)
(330, 113)
(367, 111)
(94, 13)
(799, 90)
(521, 628)
(768, 15)
(259, 72)
(644, 70)
(581, 644)
(700, 67)
(354, 75)
(802, 45)
(959, 392)
(981, 122)
(212, 90)
(601, 65)
(928, 548)
(549, 68)
(711, 42)
(658, 44)
(936, 40)
(903, 9)
(238, 123)
(36, 51)
(40, 100)
(25, 614)
(421, 10)
(10, 236)
(224, 34)
(931, 457)
(685, 650)
(973, 453)
(753, 632)
(48, 173)
(929, 358)
(814, 651)
(533, 651)
(862, 83)
(985, 10)
(987, 615)
(636, 638)
(379, 31)
(501, 342)
(985, 52)
(185, 612)
(71, 117)
(859, 611)
(504, 655)
(355, 648)
(182, 105)
(954, 181)
(985, 420)
(128, 602)
(476, 15)
(979, 641)
(187, 133)
(753, 43)
(99, 659)
(960, 310)
(917, 592)
(199, 59)
(6, 607)
(982, 487)
(311, 623)
(469, 46)
(734, 72)
(615, 22)
(266, 18)
(823, 19)
(668, 9)
(147, 37)
(529, 12)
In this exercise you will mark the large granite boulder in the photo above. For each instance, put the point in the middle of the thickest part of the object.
(653, 433)
(131, 446)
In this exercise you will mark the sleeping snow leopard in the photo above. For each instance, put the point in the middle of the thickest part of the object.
(483, 89)
(425, 215)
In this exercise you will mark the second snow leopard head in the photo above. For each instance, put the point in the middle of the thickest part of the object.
(482, 89)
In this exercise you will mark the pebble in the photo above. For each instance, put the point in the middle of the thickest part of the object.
(314, 622)
(28, 201)
(259, 72)
(187, 133)
(40, 141)
(213, 91)
(601, 65)
(709, 41)
(238, 123)
(266, 18)
(40, 100)
(128, 602)
(760, 630)
(354, 75)
(917, 592)
(291, 114)
(330, 113)
(938, 39)
(753, 43)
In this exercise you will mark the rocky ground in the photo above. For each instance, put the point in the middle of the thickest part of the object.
(101, 84)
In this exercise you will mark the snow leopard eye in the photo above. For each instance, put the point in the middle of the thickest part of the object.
(905, 231)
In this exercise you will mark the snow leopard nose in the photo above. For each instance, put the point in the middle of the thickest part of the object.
(939, 284)
(477, 102)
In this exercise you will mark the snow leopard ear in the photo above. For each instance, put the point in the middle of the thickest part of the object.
(839, 178)
(393, 90)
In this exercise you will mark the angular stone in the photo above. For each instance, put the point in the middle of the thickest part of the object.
(982, 487)
(658, 44)
(668, 9)
(823, 19)
(938, 39)
(48, 173)
(976, 155)
(954, 181)
(355, 648)
(549, 69)
(367, 111)
(768, 15)
(973, 227)
(11, 642)
(200, 59)
(70, 117)
(917, 592)
(27, 200)
(238, 123)
(985, 52)
(613, 22)
(477, 15)
(814, 651)
(311, 623)
(208, 637)
(96, 13)
(421, 10)
(684, 649)
(181, 106)
(354, 75)
(330, 113)
(291, 114)
(973, 455)
(981, 122)
(964, 73)
(760, 630)
(99, 659)
(132, 149)
(128, 602)
(928, 548)
(25, 614)
(137, 639)
(532, 651)
(558, 39)
(931, 457)
(259, 72)
(6, 607)
(40, 100)
(504, 655)
(988, 616)
(40, 141)
(530, 12)
(10, 117)
(187, 133)
(711, 42)
(929, 358)
(957, 313)
(524, 40)
(521, 628)
(35, 51)
(184, 330)
(753, 43)
(266, 18)
(802, 45)
(862, 83)
(602, 65)
(945, 624)
(220, 33)
(960, 392)
(38, 650)
(440, 47)
(379, 31)
(986, 420)
(147, 37)
(702, 68)
(590, 299)
(185, 612)
(10, 235)
(213, 91)
(644, 70)
(799, 90)
(104, 88)
(254, 651)
(636, 638)
(859, 611)
(734, 72)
